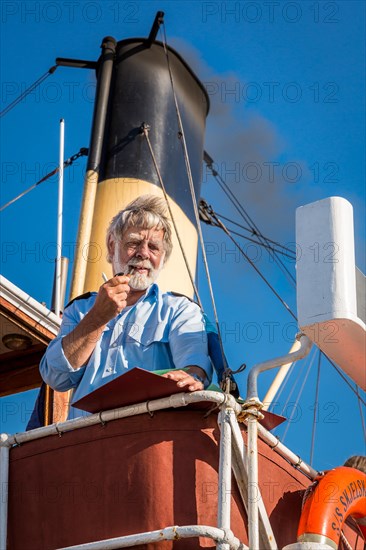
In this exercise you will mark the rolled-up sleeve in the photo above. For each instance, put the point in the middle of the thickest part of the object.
(188, 338)
(55, 369)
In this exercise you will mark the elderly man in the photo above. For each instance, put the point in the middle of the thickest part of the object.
(129, 322)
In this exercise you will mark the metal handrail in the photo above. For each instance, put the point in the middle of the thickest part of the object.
(175, 532)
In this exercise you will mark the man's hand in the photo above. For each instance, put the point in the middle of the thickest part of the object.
(185, 380)
(80, 343)
(111, 298)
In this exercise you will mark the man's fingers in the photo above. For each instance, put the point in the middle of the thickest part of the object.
(192, 383)
(118, 280)
(112, 297)
(113, 290)
(184, 380)
(176, 375)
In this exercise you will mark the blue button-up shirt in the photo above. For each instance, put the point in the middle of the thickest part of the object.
(160, 331)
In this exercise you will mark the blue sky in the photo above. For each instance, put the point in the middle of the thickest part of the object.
(287, 84)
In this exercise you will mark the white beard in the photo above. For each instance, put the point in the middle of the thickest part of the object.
(138, 281)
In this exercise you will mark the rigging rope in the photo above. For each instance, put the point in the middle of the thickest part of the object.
(193, 195)
(345, 541)
(361, 412)
(254, 233)
(298, 397)
(283, 386)
(280, 264)
(239, 207)
(26, 92)
(145, 130)
(83, 151)
(203, 207)
(224, 228)
(302, 367)
(266, 246)
(345, 379)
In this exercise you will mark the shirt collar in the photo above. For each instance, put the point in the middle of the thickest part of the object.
(152, 291)
(152, 294)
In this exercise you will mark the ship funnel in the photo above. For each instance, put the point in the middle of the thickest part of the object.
(145, 78)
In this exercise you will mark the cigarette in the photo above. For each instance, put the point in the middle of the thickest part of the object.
(104, 277)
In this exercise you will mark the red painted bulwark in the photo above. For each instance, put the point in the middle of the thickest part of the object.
(133, 475)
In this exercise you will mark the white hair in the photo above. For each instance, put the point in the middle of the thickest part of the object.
(147, 211)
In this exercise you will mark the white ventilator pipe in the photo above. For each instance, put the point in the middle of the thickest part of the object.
(59, 218)
(278, 380)
(252, 391)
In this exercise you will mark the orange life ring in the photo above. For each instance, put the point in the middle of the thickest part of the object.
(339, 493)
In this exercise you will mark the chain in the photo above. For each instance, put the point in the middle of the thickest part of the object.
(82, 153)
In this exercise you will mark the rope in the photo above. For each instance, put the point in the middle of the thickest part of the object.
(283, 386)
(83, 151)
(145, 130)
(26, 92)
(298, 397)
(280, 264)
(345, 379)
(345, 541)
(361, 412)
(224, 228)
(292, 389)
(204, 210)
(255, 233)
(194, 199)
(239, 207)
(315, 407)
(266, 246)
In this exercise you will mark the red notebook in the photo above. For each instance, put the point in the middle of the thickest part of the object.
(138, 385)
(135, 386)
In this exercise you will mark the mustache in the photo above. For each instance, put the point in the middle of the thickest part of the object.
(145, 264)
